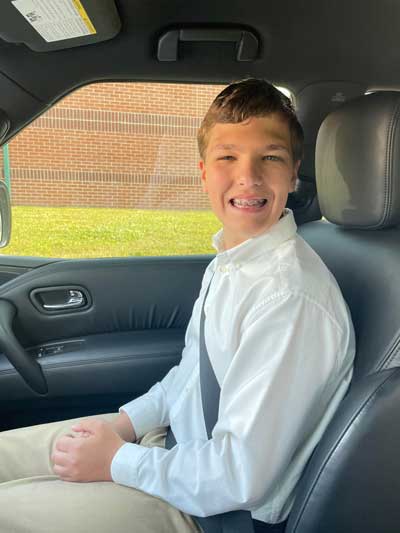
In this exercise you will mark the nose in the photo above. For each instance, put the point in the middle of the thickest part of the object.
(249, 174)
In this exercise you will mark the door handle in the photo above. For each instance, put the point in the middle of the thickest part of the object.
(75, 299)
(61, 299)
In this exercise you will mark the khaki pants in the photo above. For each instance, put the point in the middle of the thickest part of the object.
(34, 500)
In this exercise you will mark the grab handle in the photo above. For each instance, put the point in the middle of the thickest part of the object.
(247, 43)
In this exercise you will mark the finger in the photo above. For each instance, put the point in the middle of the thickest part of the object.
(59, 458)
(66, 474)
(62, 472)
(87, 424)
(64, 443)
(81, 433)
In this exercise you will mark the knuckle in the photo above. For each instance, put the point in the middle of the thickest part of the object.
(76, 444)
(73, 461)
(58, 471)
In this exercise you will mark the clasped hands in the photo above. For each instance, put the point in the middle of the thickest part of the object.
(86, 454)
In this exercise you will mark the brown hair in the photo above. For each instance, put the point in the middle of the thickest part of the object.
(249, 98)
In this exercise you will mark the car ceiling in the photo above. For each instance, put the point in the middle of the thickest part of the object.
(301, 43)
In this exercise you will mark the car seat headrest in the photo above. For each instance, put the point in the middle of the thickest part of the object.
(358, 162)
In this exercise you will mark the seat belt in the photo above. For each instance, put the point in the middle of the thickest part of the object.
(233, 521)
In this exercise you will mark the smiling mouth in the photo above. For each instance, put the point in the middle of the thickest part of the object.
(244, 203)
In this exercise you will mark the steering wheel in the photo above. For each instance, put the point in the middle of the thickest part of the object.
(28, 367)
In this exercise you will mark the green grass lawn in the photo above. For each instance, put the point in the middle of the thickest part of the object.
(92, 232)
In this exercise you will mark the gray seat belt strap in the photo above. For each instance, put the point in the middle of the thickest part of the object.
(233, 521)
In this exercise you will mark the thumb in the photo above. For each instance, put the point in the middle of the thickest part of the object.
(83, 426)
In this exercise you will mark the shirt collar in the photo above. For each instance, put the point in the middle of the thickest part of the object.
(251, 249)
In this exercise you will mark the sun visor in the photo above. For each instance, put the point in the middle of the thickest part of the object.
(4, 125)
(46, 25)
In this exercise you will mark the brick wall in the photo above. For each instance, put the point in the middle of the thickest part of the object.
(114, 145)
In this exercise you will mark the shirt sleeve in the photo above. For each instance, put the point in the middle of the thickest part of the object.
(151, 409)
(292, 361)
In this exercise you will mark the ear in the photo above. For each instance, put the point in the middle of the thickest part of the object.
(295, 175)
(202, 167)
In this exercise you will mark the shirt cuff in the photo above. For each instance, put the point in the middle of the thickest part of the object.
(124, 466)
(142, 414)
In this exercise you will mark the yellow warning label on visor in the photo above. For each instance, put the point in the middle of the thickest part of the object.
(56, 21)
(81, 10)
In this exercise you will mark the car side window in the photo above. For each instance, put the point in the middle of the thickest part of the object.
(112, 170)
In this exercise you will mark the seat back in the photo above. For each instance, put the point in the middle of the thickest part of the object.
(352, 482)
(366, 264)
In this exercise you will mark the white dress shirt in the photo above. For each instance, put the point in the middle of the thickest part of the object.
(281, 343)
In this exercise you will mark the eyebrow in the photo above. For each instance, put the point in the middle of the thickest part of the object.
(237, 147)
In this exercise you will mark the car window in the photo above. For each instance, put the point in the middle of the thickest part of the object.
(110, 171)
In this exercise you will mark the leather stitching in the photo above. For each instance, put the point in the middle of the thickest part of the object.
(388, 178)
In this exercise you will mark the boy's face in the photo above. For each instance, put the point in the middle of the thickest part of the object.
(247, 172)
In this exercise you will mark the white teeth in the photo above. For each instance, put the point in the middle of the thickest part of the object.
(241, 202)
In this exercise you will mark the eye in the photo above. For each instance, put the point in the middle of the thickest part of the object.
(226, 158)
(272, 158)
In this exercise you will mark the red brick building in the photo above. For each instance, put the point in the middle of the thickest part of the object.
(129, 145)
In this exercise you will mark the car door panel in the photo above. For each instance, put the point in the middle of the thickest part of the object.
(125, 339)
(11, 266)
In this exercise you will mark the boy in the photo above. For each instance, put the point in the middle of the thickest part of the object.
(279, 339)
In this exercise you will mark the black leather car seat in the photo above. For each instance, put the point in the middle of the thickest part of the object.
(352, 482)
